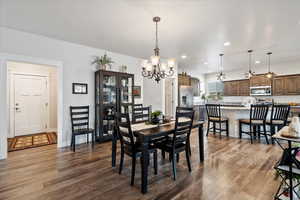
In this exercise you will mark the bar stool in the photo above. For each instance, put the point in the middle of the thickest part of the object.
(214, 116)
(278, 118)
(258, 115)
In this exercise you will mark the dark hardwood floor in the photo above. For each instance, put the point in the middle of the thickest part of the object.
(233, 170)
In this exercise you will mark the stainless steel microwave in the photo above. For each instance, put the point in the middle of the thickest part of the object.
(261, 91)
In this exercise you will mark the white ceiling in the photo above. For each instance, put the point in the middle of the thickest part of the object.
(197, 28)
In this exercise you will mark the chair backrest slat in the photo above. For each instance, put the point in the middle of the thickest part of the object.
(280, 112)
(140, 113)
(183, 125)
(124, 130)
(259, 112)
(213, 110)
(79, 117)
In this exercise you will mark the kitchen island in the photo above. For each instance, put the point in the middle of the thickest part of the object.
(234, 113)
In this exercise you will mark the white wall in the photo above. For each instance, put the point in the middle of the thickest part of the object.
(42, 70)
(76, 61)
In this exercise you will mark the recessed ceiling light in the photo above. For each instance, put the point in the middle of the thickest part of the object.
(257, 62)
(183, 56)
(227, 43)
(205, 63)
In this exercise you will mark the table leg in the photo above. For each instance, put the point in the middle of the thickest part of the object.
(114, 149)
(145, 162)
(291, 172)
(201, 142)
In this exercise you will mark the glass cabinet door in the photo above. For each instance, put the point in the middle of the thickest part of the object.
(126, 84)
(109, 89)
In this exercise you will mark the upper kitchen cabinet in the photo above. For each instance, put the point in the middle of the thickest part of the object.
(292, 85)
(286, 85)
(184, 80)
(244, 87)
(279, 85)
(231, 88)
(260, 80)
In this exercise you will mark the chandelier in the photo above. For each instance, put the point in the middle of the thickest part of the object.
(250, 73)
(155, 68)
(221, 75)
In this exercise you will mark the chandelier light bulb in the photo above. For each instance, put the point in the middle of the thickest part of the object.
(154, 60)
(171, 63)
(163, 67)
(144, 63)
(149, 67)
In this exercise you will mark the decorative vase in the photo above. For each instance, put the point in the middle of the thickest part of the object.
(294, 127)
(155, 120)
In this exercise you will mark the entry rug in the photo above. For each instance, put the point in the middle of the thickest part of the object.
(30, 141)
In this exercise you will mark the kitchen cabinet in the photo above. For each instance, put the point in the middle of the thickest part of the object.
(279, 86)
(184, 80)
(286, 85)
(260, 80)
(244, 87)
(237, 88)
(292, 85)
(231, 88)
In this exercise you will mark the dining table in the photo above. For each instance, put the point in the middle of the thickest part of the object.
(145, 134)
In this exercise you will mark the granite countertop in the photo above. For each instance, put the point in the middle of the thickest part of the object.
(235, 108)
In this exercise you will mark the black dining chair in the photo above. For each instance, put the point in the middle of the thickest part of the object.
(80, 124)
(129, 145)
(180, 140)
(258, 115)
(140, 113)
(214, 116)
(278, 118)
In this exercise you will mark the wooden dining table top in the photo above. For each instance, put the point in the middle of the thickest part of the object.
(161, 129)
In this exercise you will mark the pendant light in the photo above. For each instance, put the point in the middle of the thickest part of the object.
(221, 75)
(269, 74)
(250, 73)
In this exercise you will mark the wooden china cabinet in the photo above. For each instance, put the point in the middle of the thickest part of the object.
(113, 93)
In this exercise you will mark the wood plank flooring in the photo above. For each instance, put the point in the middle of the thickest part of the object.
(233, 170)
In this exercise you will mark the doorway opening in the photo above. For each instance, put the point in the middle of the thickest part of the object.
(169, 97)
(32, 105)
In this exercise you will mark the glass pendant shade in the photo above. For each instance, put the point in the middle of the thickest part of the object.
(269, 74)
(250, 73)
(221, 75)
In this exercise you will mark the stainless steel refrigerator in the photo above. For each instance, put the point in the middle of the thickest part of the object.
(186, 96)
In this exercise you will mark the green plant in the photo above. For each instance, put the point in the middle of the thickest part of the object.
(156, 114)
(203, 96)
(103, 60)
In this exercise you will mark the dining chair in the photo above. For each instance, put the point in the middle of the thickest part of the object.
(80, 124)
(140, 113)
(214, 116)
(180, 139)
(129, 145)
(258, 115)
(278, 118)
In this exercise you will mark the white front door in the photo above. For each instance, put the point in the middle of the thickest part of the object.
(30, 104)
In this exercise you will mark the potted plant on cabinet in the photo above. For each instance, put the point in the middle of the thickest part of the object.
(103, 62)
